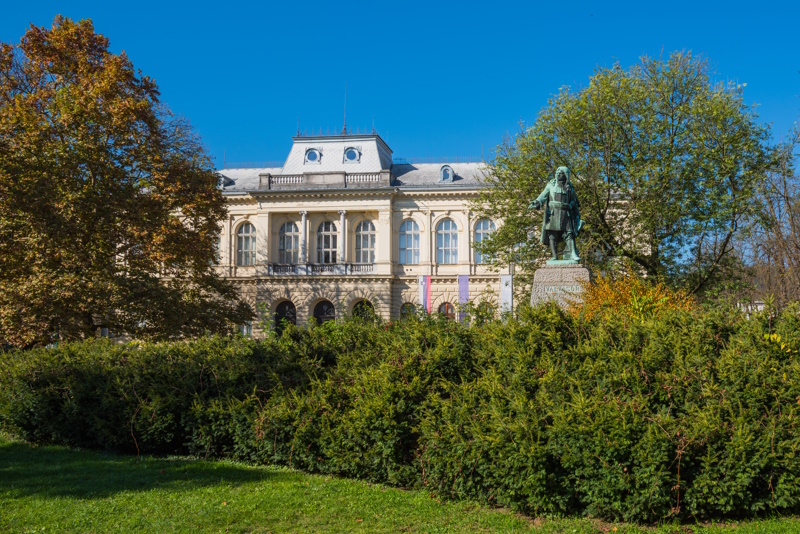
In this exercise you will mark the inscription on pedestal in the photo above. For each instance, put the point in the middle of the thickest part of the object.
(561, 284)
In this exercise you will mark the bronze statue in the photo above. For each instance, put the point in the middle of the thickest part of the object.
(562, 217)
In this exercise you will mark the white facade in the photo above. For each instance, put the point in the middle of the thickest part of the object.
(326, 228)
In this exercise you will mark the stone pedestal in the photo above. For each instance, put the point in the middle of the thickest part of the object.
(559, 281)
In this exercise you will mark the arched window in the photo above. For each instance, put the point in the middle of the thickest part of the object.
(409, 243)
(324, 312)
(364, 310)
(365, 242)
(448, 310)
(288, 243)
(326, 243)
(447, 242)
(446, 174)
(285, 314)
(408, 310)
(246, 245)
(483, 229)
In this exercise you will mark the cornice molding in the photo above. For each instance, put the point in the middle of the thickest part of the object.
(251, 196)
(317, 279)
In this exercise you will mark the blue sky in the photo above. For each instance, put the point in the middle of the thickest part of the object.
(441, 79)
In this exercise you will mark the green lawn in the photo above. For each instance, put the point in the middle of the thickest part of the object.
(54, 489)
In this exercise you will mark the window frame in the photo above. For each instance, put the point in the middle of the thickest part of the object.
(447, 242)
(324, 318)
(408, 310)
(246, 329)
(290, 318)
(404, 235)
(327, 229)
(318, 158)
(357, 152)
(446, 174)
(449, 310)
(477, 257)
(365, 236)
(291, 254)
(246, 257)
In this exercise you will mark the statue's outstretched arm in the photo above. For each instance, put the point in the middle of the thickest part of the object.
(538, 201)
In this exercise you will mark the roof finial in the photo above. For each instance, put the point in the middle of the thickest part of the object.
(344, 128)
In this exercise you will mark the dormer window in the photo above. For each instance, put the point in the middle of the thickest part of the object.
(313, 156)
(446, 174)
(352, 155)
(224, 181)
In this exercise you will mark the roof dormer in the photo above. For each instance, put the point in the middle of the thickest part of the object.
(446, 174)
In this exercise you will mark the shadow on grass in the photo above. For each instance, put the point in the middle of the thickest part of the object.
(27, 469)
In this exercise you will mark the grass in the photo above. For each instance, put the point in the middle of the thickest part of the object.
(55, 489)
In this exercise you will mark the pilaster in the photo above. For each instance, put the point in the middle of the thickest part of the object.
(263, 242)
(303, 237)
(383, 242)
(342, 245)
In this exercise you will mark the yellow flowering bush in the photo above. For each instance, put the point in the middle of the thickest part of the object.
(631, 295)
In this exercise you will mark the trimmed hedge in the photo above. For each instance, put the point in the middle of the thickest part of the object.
(687, 415)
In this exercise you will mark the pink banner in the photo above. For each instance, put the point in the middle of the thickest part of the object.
(424, 283)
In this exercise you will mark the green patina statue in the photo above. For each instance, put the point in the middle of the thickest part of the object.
(562, 217)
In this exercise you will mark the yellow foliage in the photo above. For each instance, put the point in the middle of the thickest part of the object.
(776, 339)
(631, 295)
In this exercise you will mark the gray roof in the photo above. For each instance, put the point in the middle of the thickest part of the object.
(404, 176)
(332, 170)
(244, 179)
(428, 174)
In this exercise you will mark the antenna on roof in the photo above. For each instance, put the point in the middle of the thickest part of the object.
(344, 128)
(373, 125)
(298, 126)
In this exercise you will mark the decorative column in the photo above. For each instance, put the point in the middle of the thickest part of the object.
(385, 240)
(342, 234)
(264, 241)
(428, 259)
(465, 253)
(226, 254)
(303, 239)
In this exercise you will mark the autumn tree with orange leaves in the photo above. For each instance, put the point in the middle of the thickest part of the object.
(108, 203)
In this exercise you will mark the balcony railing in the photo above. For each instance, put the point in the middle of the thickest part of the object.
(335, 180)
(277, 268)
(361, 267)
(320, 269)
(362, 178)
(323, 268)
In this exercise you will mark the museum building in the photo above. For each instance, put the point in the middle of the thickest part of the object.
(342, 227)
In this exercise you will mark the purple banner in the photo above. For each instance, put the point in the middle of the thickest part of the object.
(463, 294)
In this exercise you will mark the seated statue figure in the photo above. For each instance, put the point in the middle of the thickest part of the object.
(562, 218)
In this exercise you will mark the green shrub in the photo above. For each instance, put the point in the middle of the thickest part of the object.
(681, 414)
(363, 419)
(143, 397)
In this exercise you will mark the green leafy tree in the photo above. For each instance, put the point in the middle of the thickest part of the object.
(109, 208)
(666, 165)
